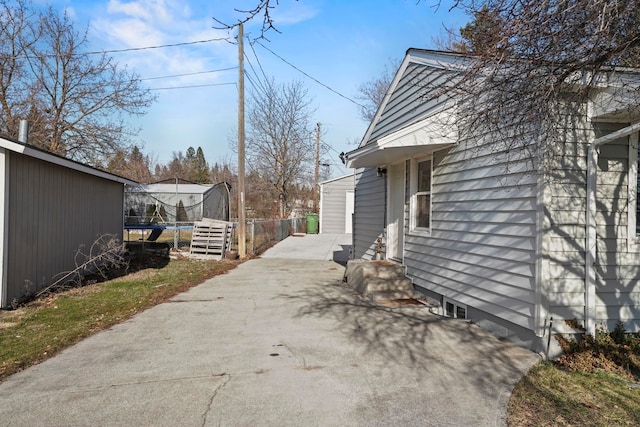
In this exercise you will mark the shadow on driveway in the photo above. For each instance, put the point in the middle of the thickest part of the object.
(440, 352)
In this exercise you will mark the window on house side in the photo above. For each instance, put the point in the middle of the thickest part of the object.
(422, 197)
(455, 310)
(449, 309)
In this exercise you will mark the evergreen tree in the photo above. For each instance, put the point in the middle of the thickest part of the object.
(200, 172)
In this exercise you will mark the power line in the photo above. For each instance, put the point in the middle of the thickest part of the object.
(131, 49)
(312, 78)
(162, 46)
(190, 74)
(259, 86)
(258, 60)
(192, 86)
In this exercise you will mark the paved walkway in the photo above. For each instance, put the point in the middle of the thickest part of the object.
(275, 342)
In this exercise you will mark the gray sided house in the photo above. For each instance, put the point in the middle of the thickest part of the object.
(168, 203)
(336, 205)
(505, 243)
(51, 207)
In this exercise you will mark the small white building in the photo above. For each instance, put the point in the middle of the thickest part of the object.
(51, 208)
(336, 205)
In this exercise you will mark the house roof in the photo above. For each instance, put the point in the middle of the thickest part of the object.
(37, 153)
(418, 113)
(431, 58)
(413, 132)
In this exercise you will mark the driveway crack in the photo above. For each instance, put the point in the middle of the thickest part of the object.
(300, 358)
(227, 378)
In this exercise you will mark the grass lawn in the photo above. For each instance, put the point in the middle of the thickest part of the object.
(552, 396)
(596, 382)
(42, 328)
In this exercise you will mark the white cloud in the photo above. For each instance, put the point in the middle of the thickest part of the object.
(71, 12)
(148, 10)
(147, 23)
(293, 13)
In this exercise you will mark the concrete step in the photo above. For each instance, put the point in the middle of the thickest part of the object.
(392, 295)
(359, 270)
(380, 280)
(385, 285)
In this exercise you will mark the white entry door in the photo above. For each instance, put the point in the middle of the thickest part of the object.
(348, 219)
(395, 211)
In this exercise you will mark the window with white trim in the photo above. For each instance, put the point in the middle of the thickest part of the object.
(421, 199)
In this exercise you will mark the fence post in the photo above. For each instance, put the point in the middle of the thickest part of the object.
(253, 236)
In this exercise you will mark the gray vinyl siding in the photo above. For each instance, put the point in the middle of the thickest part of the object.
(564, 229)
(333, 209)
(411, 101)
(481, 250)
(369, 221)
(52, 212)
(508, 227)
(617, 269)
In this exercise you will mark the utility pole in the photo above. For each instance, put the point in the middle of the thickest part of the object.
(242, 249)
(316, 189)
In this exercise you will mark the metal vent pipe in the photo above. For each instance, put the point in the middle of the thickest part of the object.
(23, 133)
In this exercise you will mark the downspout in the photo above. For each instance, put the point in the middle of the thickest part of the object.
(4, 227)
(591, 211)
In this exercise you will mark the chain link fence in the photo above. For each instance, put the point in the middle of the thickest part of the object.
(260, 234)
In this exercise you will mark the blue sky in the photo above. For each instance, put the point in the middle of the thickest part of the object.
(340, 43)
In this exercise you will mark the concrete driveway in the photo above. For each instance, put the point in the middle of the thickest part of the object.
(275, 342)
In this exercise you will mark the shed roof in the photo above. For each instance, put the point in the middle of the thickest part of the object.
(340, 178)
(35, 152)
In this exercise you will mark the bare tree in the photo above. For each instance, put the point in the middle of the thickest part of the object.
(18, 33)
(279, 144)
(132, 164)
(545, 61)
(262, 10)
(372, 92)
(76, 102)
(526, 71)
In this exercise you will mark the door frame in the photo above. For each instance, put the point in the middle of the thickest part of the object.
(396, 220)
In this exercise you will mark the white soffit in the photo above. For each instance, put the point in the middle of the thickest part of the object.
(424, 137)
(615, 104)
